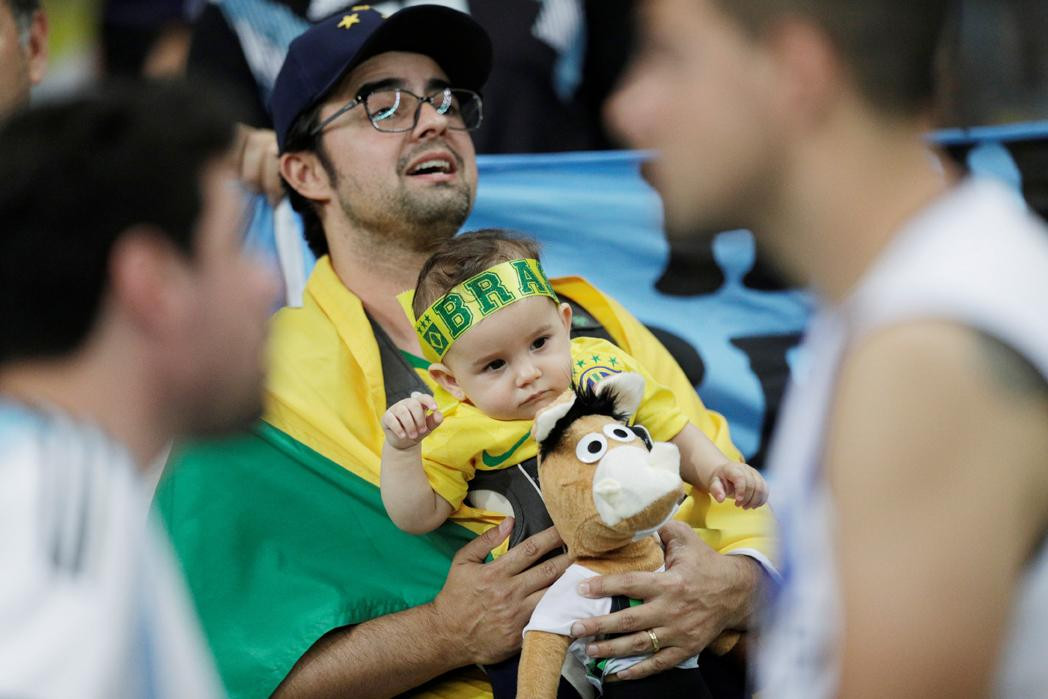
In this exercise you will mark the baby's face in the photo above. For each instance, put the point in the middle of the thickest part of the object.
(516, 361)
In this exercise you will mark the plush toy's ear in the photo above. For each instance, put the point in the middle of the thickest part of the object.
(546, 418)
(627, 390)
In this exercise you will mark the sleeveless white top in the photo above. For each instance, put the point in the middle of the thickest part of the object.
(974, 257)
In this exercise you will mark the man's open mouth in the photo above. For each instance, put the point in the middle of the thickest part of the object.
(433, 164)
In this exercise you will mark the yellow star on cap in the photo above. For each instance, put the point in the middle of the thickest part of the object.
(348, 21)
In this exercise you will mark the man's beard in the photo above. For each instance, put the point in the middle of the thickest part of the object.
(415, 221)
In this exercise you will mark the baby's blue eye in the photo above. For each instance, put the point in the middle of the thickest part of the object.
(539, 343)
(495, 365)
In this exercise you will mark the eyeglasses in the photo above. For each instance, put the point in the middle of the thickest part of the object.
(395, 110)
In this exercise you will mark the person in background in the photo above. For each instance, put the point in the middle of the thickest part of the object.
(144, 37)
(910, 467)
(23, 51)
(131, 316)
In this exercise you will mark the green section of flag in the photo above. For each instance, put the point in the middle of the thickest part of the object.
(280, 545)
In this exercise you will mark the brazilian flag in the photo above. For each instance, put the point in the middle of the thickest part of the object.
(275, 556)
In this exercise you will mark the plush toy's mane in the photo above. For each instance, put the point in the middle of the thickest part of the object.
(587, 402)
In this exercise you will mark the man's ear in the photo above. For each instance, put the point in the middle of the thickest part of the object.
(810, 77)
(565, 315)
(36, 49)
(150, 282)
(306, 175)
(443, 376)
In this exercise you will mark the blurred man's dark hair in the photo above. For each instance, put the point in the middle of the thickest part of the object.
(78, 175)
(889, 45)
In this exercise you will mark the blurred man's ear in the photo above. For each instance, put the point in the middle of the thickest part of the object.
(36, 47)
(809, 72)
(148, 281)
(305, 173)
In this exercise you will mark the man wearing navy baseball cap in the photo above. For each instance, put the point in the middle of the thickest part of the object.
(346, 87)
(303, 583)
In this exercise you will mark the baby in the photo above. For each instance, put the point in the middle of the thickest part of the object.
(498, 340)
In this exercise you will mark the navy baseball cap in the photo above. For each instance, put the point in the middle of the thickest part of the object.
(319, 58)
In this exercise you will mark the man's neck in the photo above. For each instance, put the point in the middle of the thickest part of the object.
(850, 198)
(83, 388)
(377, 277)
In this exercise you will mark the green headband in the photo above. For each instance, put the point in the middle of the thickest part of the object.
(475, 299)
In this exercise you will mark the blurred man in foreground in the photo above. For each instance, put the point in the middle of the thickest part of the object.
(910, 469)
(130, 317)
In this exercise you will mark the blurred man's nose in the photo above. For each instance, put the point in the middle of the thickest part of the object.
(625, 112)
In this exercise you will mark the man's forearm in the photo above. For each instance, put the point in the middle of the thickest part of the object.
(379, 658)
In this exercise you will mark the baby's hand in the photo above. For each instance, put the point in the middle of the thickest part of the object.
(409, 420)
(741, 482)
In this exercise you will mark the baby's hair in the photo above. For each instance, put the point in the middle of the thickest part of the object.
(465, 256)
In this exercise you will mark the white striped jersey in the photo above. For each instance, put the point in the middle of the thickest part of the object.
(91, 602)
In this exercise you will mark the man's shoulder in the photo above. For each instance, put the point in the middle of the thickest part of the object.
(315, 328)
(578, 289)
(35, 439)
(327, 305)
(21, 459)
(18, 432)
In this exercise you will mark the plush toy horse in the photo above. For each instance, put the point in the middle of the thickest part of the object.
(608, 488)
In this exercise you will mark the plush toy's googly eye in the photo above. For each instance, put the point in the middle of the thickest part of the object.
(591, 447)
(620, 433)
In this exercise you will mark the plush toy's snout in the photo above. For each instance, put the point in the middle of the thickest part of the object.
(631, 479)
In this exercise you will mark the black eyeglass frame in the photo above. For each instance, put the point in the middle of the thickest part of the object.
(443, 92)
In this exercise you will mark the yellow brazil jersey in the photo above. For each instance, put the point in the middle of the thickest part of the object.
(468, 440)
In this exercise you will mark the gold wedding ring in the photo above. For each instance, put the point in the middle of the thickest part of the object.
(654, 641)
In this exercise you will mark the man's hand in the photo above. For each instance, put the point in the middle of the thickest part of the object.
(484, 607)
(257, 163)
(700, 594)
(409, 420)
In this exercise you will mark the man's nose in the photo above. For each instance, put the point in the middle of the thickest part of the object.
(626, 114)
(430, 122)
